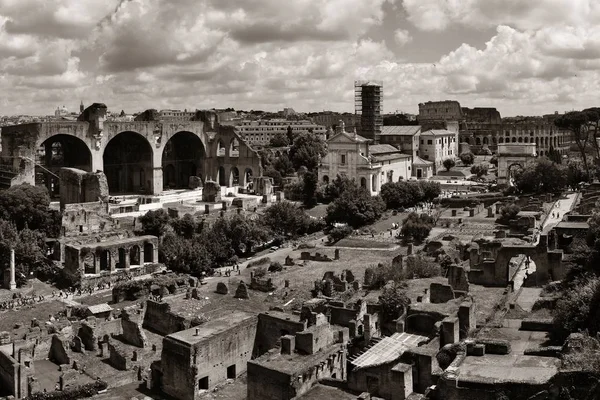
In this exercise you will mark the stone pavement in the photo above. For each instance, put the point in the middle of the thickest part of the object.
(560, 208)
(528, 297)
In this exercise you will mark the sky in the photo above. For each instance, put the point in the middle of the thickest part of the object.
(524, 57)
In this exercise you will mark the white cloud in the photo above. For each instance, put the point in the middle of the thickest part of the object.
(402, 37)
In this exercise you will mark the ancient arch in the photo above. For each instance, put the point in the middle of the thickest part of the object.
(514, 139)
(128, 164)
(247, 176)
(105, 260)
(234, 176)
(221, 149)
(485, 140)
(222, 177)
(234, 148)
(363, 182)
(182, 158)
(525, 139)
(122, 258)
(478, 141)
(134, 255)
(520, 140)
(149, 252)
(500, 140)
(325, 179)
(56, 152)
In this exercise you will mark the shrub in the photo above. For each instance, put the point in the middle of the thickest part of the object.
(417, 226)
(78, 392)
(260, 272)
(393, 302)
(378, 276)
(508, 213)
(260, 261)
(449, 163)
(467, 158)
(419, 266)
(275, 267)
(339, 232)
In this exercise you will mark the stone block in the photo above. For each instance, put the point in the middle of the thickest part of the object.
(439, 293)
(289, 261)
(454, 212)
(222, 288)
(336, 254)
(195, 182)
(211, 192)
(471, 212)
(242, 291)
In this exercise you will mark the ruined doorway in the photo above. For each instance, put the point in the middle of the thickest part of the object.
(105, 260)
(55, 153)
(121, 263)
(247, 177)
(148, 252)
(134, 255)
(231, 372)
(235, 176)
(182, 158)
(222, 176)
(127, 164)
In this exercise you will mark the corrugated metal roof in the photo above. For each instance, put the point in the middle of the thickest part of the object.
(388, 349)
(400, 130)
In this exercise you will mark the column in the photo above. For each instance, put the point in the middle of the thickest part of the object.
(157, 180)
(13, 282)
(127, 258)
(113, 260)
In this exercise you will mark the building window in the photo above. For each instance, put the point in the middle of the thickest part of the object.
(343, 159)
(429, 142)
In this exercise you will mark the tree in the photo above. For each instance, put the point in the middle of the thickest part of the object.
(276, 175)
(29, 206)
(283, 165)
(286, 219)
(575, 174)
(155, 222)
(593, 128)
(339, 185)
(185, 226)
(416, 227)
(542, 176)
(355, 207)
(242, 233)
(431, 190)
(279, 140)
(554, 155)
(449, 163)
(393, 300)
(309, 189)
(508, 213)
(577, 123)
(480, 170)
(307, 150)
(467, 158)
(290, 134)
(402, 194)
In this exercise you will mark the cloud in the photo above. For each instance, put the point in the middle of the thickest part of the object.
(402, 37)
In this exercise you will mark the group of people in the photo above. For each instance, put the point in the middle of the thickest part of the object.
(228, 271)
(21, 301)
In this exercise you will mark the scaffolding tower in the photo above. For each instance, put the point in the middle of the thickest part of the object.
(368, 98)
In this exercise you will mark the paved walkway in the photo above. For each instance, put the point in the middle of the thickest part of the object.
(528, 297)
(561, 207)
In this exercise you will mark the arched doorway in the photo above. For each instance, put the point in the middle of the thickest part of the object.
(247, 177)
(128, 164)
(325, 179)
(234, 148)
(134, 255)
(105, 260)
(222, 176)
(55, 153)
(235, 176)
(181, 159)
(148, 252)
(122, 262)
(363, 182)
(220, 149)
(478, 141)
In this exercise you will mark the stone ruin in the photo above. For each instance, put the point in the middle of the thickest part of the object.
(211, 192)
(195, 182)
(242, 291)
(222, 288)
(332, 283)
(306, 256)
(289, 261)
(262, 284)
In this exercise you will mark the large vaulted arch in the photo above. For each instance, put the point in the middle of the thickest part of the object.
(128, 164)
(56, 152)
(182, 158)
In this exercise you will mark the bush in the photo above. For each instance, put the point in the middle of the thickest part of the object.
(260, 261)
(577, 308)
(393, 302)
(508, 213)
(419, 266)
(467, 158)
(260, 272)
(417, 226)
(378, 276)
(355, 207)
(78, 392)
(338, 233)
(449, 163)
(275, 267)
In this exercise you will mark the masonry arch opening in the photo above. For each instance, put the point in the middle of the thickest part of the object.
(56, 152)
(182, 158)
(128, 164)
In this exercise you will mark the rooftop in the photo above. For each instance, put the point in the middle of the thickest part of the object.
(438, 132)
(388, 349)
(495, 369)
(212, 327)
(112, 242)
(295, 363)
(572, 225)
(400, 130)
(419, 161)
(382, 148)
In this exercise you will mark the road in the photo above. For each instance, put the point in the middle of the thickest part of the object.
(561, 207)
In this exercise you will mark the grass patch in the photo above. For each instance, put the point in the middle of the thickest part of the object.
(363, 244)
